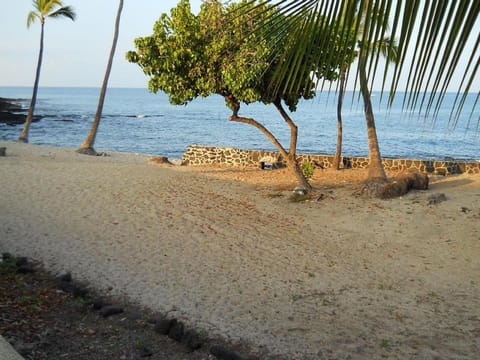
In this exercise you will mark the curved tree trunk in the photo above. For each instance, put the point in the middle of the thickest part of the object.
(26, 127)
(290, 156)
(376, 171)
(338, 152)
(87, 145)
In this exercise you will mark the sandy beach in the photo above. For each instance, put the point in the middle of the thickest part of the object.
(225, 250)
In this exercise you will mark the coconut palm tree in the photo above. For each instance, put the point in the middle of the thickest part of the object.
(87, 145)
(438, 31)
(44, 9)
(376, 171)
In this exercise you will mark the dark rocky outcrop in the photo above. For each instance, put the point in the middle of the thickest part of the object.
(13, 114)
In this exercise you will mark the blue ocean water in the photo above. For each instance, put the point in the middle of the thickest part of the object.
(135, 120)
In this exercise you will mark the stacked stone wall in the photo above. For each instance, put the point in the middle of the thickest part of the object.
(212, 155)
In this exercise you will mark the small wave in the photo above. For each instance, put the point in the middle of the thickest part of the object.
(139, 116)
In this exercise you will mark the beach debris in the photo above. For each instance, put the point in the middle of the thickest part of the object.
(329, 194)
(162, 160)
(299, 194)
(436, 199)
(403, 183)
(399, 185)
(299, 191)
(3, 151)
(465, 209)
(269, 162)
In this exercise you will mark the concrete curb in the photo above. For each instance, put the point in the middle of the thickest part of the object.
(7, 352)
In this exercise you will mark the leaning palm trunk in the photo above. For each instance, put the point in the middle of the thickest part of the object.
(338, 152)
(290, 156)
(376, 171)
(26, 127)
(87, 146)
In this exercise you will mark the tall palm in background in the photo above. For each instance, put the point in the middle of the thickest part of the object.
(437, 31)
(376, 171)
(44, 9)
(87, 145)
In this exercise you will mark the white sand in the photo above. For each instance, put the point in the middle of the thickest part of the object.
(330, 279)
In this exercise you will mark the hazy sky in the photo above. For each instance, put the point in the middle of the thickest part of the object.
(76, 53)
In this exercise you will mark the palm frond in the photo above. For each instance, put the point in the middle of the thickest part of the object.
(32, 16)
(431, 41)
(65, 11)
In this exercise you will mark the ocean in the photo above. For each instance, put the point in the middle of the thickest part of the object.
(135, 120)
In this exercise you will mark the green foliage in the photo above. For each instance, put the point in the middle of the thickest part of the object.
(217, 52)
(8, 265)
(308, 168)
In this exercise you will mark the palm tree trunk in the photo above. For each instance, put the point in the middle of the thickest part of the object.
(26, 127)
(376, 171)
(290, 157)
(338, 151)
(87, 145)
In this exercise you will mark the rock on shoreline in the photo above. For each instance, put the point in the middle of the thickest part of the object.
(11, 113)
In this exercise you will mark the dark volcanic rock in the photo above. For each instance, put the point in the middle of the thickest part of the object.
(65, 277)
(13, 114)
(26, 269)
(79, 291)
(176, 330)
(192, 340)
(145, 352)
(21, 261)
(110, 310)
(99, 303)
(6, 256)
(224, 354)
(163, 326)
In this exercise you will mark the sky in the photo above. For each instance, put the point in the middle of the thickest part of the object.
(76, 53)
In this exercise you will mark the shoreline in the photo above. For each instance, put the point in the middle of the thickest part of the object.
(167, 130)
(224, 250)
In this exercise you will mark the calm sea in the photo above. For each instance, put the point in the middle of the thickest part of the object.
(135, 120)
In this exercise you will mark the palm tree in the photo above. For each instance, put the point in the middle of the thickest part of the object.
(87, 145)
(44, 9)
(388, 49)
(437, 30)
(376, 171)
